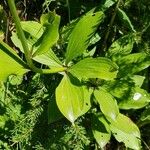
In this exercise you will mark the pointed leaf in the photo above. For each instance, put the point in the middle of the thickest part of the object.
(81, 34)
(10, 63)
(125, 19)
(101, 130)
(138, 98)
(94, 68)
(108, 104)
(126, 131)
(51, 33)
(70, 98)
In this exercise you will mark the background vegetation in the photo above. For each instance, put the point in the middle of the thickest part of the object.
(29, 117)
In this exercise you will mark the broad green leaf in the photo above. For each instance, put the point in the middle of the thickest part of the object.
(70, 98)
(50, 36)
(81, 34)
(34, 31)
(125, 19)
(122, 46)
(108, 104)
(10, 63)
(133, 63)
(124, 130)
(94, 68)
(138, 98)
(101, 130)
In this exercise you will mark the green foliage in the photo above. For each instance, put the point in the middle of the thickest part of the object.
(100, 80)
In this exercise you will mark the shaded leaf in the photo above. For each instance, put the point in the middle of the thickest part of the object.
(70, 98)
(125, 19)
(121, 46)
(124, 130)
(94, 68)
(101, 130)
(81, 34)
(108, 104)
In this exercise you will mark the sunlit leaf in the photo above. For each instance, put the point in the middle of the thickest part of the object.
(124, 130)
(81, 34)
(50, 36)
(108, 104)
(101, 130)
(10, 63)
(94, 68)
(70, 98)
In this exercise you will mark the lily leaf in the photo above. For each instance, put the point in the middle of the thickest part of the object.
(124, 130)
(50, 36)
(108, 104)
(70, 98)
(101, 130)
(81, 34)
(94, 68)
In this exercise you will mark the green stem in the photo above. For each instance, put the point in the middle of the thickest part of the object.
(104, 46)
(22, 38)
(20, 32)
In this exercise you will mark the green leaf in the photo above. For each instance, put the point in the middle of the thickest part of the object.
(33, 31)
(101, 130)
(50, 36)
(49, 59)
(10, 63)
(94, 68)
(137, 98)
(70, 98)
(121, 46)
(125, 19)
(124, 130)
(108, 104)
(81, 34)
(133, 63)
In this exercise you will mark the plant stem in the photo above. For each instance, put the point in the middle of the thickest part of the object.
(104, 46)
(22, 38)
(20, 32)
